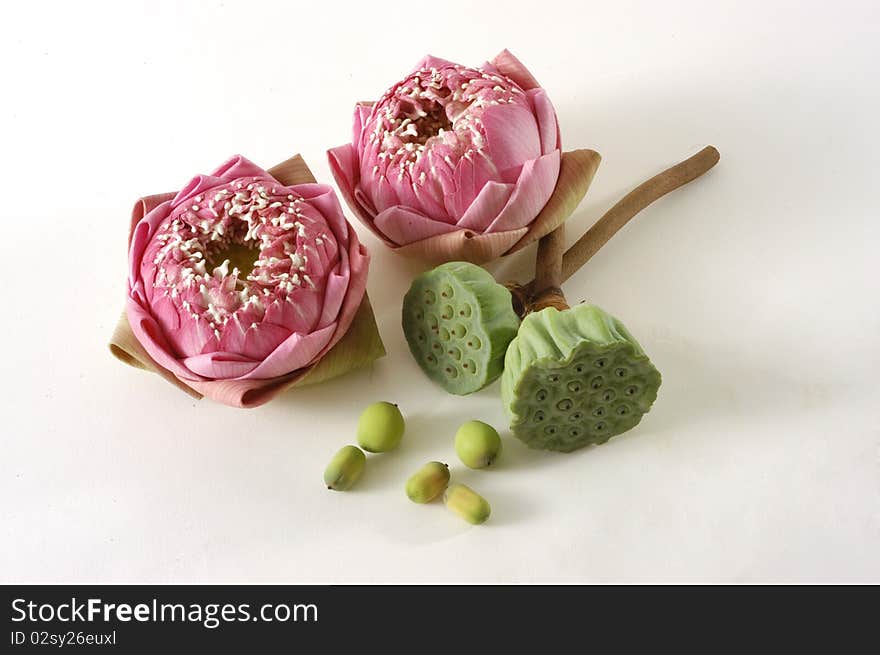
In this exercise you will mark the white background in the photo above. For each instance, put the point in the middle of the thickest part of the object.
(754, 290)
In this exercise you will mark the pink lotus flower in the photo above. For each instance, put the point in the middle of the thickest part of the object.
(238, 282)
(452, 162)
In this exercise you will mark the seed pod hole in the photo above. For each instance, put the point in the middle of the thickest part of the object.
(621, 372)
(599, 412)
(451, 372)
(565, 404)
(444, 334)
(631, 390)
(436, 346)
(539, 416)
(448, 312)
(459, 330)
(454, 352)
(597, 382)
(574, 386)
(433, 322)
(431, 360)
(430, 297)
(600, 426)
(474, 342)
(541, 396)
(420, 315)
(470, 366)
(576, 416)
(465, 311)
(609, 395)
(600, 363)
(553, 378)
(574, 432)
(579, 368)
(622, 410)
(447, 291)
(550, 430)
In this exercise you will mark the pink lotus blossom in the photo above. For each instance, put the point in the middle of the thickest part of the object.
(452, 153)
(211, 324)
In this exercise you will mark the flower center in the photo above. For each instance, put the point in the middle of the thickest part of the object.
(229, 254)
(435, 114)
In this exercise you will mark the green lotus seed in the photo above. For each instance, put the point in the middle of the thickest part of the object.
(477, 444)
(428, 482)
(345, 468)
(467, 503)
(380, 428)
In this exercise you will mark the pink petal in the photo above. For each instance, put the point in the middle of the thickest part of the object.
(533, 189)
(430, 61)
(512, 136)
(471, 175)
(299, 313)
(295, 352)
(220, 365)
(548, 126)
(362, 111)
(513, 68)
(238, 166)
(486, 207)
(403, 226)
(334, 294)
(150, 336)
(383, 195)
(198, 185)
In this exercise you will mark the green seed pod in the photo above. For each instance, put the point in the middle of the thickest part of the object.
(380, 428)
(467, 503)
(477, 444)
(428, 482)
(458, 322)
(345, 468)
(575, 378)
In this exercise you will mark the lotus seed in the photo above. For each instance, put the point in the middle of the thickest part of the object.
(380, 427)
(477, 444)
(467, 503)
(428, 482)
(345, 468)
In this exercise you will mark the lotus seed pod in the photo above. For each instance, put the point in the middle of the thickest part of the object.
(380, 428)
(467, 503)
(458, 322)
(428, 482)
(345, 468)
(477, 444)
(575, 378)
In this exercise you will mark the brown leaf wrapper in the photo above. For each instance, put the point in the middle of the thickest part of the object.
(359, 347)
(576, 171)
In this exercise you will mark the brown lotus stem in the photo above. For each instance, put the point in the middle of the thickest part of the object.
(632, 203)
(548, 271)
(625, 209)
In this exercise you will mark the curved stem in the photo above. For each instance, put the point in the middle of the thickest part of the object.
(625, 209)
(632, 203)
(548, 272)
